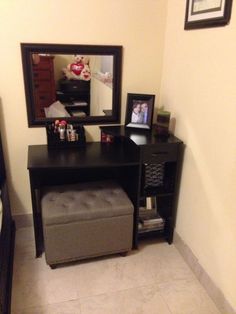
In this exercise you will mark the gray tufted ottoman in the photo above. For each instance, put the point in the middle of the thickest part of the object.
(86, 220)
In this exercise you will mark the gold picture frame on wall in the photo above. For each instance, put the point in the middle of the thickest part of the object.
(207, 13)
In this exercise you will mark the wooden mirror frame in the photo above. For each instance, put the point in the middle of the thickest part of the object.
(27, 49)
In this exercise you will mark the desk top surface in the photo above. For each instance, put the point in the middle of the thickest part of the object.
(140, 136)
(97, 154)
(94, 154)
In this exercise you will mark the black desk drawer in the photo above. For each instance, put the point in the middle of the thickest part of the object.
(159, 153)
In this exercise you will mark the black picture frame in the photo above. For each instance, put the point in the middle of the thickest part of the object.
(29, 49)
(201, 14)
(142, 118)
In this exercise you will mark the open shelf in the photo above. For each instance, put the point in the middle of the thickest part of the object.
(149, 217)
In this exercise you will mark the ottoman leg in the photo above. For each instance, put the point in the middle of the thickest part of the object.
(53, 266)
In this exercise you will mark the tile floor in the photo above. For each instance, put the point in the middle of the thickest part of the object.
(154, 280)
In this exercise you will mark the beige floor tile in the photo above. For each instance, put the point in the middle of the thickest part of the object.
(69, 307)
(164, 262)
(153, 279)
(187, 297)
(44, 287)
(112, 274)
(28, 294)
(141, 267)
(34, 283)
(32, 269)
(132, 301)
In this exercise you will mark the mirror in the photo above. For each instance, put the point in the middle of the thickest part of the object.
(81, 83)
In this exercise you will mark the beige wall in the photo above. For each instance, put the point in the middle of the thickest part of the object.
(101, 97)
(199, 88)
(137, 25)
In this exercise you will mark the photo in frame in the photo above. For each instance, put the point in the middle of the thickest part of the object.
(139, 111)
(207, 13)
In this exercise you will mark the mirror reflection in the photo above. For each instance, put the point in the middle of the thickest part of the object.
(72, 85)
(77, 82)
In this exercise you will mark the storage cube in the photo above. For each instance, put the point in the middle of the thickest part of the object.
(86, 220)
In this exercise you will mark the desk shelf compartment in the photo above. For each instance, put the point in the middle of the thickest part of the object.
(157, 220)
(149, 221)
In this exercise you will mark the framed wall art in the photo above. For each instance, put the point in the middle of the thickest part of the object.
(139, 111)
(207, 13)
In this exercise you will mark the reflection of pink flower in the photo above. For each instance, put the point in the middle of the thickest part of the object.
(63, 122)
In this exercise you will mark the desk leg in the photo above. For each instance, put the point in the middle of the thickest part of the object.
(37, 217)
(130, 178)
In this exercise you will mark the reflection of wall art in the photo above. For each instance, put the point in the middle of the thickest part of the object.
(139, 111)
(207, 13)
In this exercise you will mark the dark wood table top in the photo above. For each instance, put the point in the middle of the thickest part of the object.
(94, 154)
(140, 136)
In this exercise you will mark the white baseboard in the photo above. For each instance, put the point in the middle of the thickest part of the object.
(23, 221)
(213, 291)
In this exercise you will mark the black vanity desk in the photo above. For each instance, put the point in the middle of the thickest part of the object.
(96, 161)
(125, 160)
